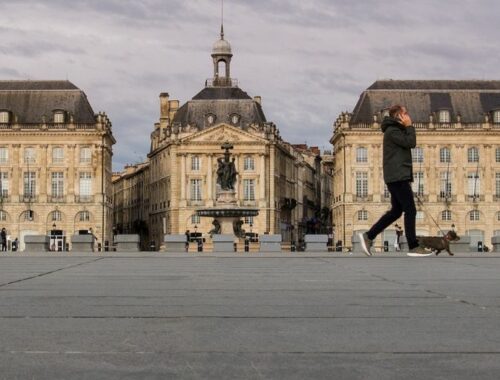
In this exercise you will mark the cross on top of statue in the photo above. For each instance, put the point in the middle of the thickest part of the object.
(227, 145)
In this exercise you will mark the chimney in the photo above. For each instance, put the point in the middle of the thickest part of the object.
(258, 99)
(173, 106)
(164, 105)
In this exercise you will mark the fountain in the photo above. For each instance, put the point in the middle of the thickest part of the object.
(226, 213)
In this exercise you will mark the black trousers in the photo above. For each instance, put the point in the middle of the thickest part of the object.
(401, 201)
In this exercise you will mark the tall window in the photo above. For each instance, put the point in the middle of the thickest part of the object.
(195, 219)
(4, 184)
(4, 155)
(497, 155)
(473, 154)
(361, 154)
(362, 215)
(248, 189)
(85, 156)
(196, 189)
(4, 117)
(496, 117)
(417, 154)
(59, 117)
(3, 216)
(386, 191)
(57, 155)
(361, 184)
(195, 163)
(248, 163)
(497, 185)
(56, 216)
(57, 184)
(446, 215)
(444, 116)
(444, 155)
(29, 184)
(418, 183)
(85, 184)
(474, 216)
(84, 216)
(29, 155)
(473, 184)
(445, 184)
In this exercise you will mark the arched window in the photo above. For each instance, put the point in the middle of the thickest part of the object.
(221, 68)
(474, 216)
(446, 215)
(235, 119)
(361, 154)
(56, 216)
(84, 216)
(444, 155)
(195, 219)
(362, 215)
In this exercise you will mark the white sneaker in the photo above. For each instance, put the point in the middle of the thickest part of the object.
(366, 243)
(418, 252)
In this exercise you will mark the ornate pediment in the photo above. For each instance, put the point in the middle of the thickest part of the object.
(222, 133)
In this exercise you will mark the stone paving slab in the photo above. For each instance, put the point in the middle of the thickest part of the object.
(151, 315)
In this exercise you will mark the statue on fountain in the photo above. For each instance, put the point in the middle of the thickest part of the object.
(226, 170)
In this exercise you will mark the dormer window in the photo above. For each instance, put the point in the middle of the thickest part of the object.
(210, 119)
(235, 119)
(444, 116)
(4, 117)
(58, 117)
(496, 116)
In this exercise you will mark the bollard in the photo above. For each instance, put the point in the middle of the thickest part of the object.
(386, 246)
(106, 245)
(292, 246)
(200, 245)
(247, 245)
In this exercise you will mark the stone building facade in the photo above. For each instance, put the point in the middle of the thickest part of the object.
(273, 176)
(456, 163)
(55, 163)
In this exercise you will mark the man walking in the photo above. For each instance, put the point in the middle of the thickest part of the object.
(3, 236)
(399, 139)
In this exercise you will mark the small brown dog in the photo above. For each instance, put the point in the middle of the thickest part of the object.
(438, 243)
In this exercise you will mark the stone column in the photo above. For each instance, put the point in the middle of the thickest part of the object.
(43, 191)
(183, 177)
(209, 179)
(272, 194)
(262, 178)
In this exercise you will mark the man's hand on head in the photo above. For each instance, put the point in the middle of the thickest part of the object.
(405, 119)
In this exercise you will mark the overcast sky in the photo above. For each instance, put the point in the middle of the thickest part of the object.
(309, 60)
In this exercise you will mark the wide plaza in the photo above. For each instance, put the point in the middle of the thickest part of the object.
(152, 315)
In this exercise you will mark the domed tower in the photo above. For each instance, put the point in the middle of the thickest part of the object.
(221, 55)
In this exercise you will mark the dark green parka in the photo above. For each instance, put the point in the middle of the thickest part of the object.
(398, 141)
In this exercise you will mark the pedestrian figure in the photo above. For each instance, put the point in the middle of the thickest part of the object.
(399, 139)
(3, 236)
(399, 233)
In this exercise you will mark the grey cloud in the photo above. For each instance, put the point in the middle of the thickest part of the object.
(34, 49)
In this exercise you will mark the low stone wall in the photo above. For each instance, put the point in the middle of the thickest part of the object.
(270, 243)
(82, 243)
(316, 243)
(127, 242)
(223, 242)
(495, 242)
(175, 242)
(36, 243)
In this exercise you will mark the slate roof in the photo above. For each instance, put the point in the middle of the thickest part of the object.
(471, 99)
(30, 100)
(221, 102)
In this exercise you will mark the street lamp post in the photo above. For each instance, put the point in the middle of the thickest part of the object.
(53, 237)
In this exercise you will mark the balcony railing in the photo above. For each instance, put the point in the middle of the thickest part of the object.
(57, 199)
(27, 198)
(84, 198)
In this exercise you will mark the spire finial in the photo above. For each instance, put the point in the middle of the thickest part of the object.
(222, 19)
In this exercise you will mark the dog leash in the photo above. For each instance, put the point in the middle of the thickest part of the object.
(419, 201)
